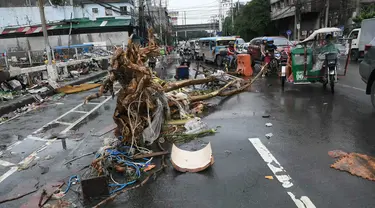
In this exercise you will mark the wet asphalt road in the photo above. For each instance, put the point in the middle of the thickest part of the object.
(307, 123)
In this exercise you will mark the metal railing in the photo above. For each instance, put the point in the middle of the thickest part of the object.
(23, 59)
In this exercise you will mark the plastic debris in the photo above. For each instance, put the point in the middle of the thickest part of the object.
(195, 125)
(269, 135)
(152, 132)
(268, 177)
(48, 157)
(27, 163)
(269, 124)
(227, 152)
(186, 161)
(15, 84)
(149, 167)
(40, 90)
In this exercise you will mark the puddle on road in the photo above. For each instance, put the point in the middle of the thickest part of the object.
(52, 129)
(71, 117)
(86, 108)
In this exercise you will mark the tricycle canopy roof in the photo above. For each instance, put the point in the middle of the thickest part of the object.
(321, 31)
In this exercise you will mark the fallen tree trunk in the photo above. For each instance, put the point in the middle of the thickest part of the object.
(244, 87)
(177, 85)
(212, 94)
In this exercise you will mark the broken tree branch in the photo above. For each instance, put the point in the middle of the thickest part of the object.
(154, 154)
(79, 157)
(244, 87)
(212, 94)
(18, 197)
(177, 85)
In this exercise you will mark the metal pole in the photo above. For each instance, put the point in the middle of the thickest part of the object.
(141, 19)
(327, 13)
(45, 34)
(160, 27)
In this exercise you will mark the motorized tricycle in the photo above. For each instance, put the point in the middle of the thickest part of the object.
(311, 61)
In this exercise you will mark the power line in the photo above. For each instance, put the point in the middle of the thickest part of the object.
(200, 6)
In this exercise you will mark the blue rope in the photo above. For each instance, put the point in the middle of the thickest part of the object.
(121, 186)
(70, 182)
(116, 156)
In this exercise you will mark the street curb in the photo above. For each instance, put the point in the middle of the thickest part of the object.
(13, 105)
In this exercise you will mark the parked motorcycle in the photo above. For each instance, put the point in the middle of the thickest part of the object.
(230, 67)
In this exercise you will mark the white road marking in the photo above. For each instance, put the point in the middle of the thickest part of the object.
(14, 169)
(8, 173)
(11, 146)
(348, 86)
(303, 202)
(6, 164)
(280, 173)
(30, 137)
(272, 163)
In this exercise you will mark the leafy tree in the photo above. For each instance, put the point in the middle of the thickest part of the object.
(367, 12)
(254, 20)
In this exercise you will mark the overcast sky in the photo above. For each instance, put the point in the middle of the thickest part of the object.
(197, 11)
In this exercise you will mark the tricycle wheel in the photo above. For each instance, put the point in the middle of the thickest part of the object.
(332, 83)
(373, 94)
(283, 83)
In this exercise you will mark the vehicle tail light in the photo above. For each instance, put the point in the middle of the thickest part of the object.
(367, 47)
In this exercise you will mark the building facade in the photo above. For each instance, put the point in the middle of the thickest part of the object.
(26, 12)
(311, 15)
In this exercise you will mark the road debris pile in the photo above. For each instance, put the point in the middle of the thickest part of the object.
(356, 164)
(150, 110)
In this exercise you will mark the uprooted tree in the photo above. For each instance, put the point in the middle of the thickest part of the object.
(142, 98)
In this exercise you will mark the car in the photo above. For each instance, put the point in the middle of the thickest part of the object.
(367, 70)
(281, 42)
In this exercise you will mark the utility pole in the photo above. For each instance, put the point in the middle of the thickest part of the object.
(220, 14)
(327, 13)
(185, 17)
(52, 73)
(160, 22)
(44, 27)
(296, 19)
(141, 18)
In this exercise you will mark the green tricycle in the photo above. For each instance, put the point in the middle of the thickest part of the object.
(316, 59)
